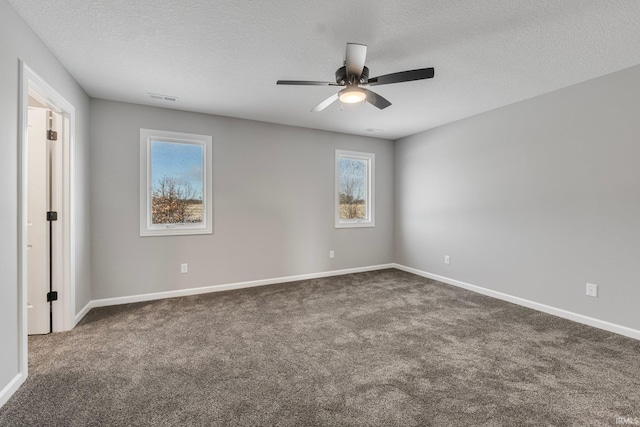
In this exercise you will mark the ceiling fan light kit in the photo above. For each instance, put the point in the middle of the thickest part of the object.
(352, 95)
(355, 76)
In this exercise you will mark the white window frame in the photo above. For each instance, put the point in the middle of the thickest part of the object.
(371, 160)
(146, 187)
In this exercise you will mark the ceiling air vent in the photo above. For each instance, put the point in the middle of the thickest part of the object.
(163, 97)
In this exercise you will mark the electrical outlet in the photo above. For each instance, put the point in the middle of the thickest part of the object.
(184, 268)
(446, 259)
(592, 290)
(332, 254)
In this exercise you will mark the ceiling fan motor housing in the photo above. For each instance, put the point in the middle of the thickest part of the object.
(341, 76)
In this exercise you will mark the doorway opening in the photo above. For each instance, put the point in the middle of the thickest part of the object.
(44, 138)
(46, 237)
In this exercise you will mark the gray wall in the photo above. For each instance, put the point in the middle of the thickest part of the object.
(273, 193)
(533, 199)
(17, 41)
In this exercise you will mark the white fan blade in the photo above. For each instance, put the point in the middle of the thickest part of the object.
(324, 104)
(354, 59)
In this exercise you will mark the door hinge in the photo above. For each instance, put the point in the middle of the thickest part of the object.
(52, 296)
(52, 216)
(52, 135)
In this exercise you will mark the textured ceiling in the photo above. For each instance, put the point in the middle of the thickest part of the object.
(224, 57)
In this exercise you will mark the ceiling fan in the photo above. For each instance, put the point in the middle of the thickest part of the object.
(354, 77)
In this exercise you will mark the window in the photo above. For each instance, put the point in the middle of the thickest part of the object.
(175, 183)
(354, 189)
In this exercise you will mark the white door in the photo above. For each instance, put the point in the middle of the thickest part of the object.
(37, 226)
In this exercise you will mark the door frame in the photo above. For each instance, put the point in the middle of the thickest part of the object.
(64, 268)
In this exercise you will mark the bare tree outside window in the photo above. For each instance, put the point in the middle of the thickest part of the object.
(354, 197)
(175, 203)
(176, 183)
(177, 179)
(352, 189)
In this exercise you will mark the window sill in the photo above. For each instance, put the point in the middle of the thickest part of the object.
(355, 224)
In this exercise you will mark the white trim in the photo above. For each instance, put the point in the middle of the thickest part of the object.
(370, 158)
(580, 318)
(64, 313)
(146, 226)
(227, 287)
(12, 387)
(83, 312)
(23, 357)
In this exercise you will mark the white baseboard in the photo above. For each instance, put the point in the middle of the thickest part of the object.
(83, 313)
(597, 323)
(218, 288)
(11, 388)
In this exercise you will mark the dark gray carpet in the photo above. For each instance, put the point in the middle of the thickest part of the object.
(385, 348)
